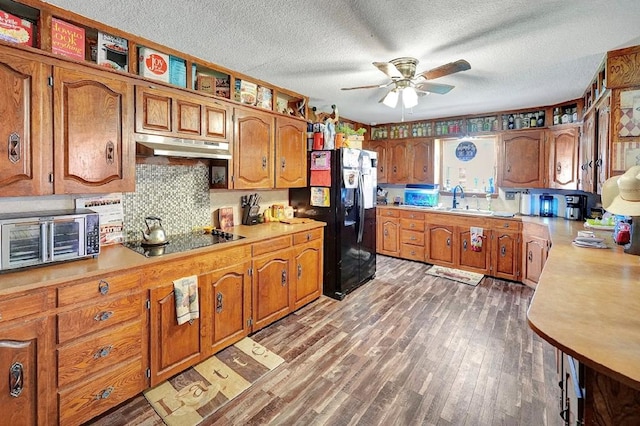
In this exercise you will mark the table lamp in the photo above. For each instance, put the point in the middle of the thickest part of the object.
(621, 196)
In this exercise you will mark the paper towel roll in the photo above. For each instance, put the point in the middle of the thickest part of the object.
(525, 204)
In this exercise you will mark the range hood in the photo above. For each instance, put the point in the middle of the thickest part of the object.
(189, 148)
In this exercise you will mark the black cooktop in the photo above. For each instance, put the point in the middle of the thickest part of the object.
(183, 242)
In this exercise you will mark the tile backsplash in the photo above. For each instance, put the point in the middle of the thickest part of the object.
(177, 194)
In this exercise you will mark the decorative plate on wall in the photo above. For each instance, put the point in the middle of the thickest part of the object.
(466, 151)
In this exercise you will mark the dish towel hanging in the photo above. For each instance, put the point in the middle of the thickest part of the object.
(476, 238)
(186, 294)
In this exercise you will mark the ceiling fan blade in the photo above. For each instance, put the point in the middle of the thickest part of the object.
(440, 89)
(373, 86)
(450, 68)
(389, 69)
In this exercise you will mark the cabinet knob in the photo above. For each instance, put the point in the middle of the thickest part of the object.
(509, 169)
(284, 277)
(14, 147)
(264, 162)
(503, 251)
(103, 316)
(413, 225)
(218, 302)
(110, 152)
(464, 244)
(559, 167)
(448, 242)
(299, 271)
(283, 162)
(16, 379)
(530, 256)
(103, 287)
(106, 393)
(103, 352)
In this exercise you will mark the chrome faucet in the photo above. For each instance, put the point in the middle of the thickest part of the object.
(455, 191)
(475, 197)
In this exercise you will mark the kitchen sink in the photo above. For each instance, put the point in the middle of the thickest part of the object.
(473, 212)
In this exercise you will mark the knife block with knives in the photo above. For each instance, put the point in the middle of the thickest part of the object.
(250, 209)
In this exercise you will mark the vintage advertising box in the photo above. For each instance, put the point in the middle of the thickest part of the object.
(265, 98)
(206, 83)
(67, 39)
(113, 52)
(153, 64)
(177, 71)
(15, 30)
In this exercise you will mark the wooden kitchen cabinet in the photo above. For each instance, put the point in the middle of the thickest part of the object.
(381, 148)
(587, 152)
(467, 258)
(603, 163)
(505, 260)
(421, 154)
(307, 273)
(290, 153)
(253, 150)
(226, 304)
(535, 248)
(440, 243)
(521, 160)
(412, 226)
(272, 282)
(388, 232)
(562, 154)
(167, 112)
(399, 160)
(27, 382)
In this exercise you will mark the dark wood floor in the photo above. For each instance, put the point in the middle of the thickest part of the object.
(405, 349)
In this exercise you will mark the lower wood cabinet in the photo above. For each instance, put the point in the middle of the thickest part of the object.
(505, 261)
(475, 260)
(308, 258)
(388, 232)
(440, 244)
(535, 248)
(271, 287)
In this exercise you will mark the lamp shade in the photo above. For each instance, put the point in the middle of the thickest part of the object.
(621, 194)
(409, 97)
(391, 100)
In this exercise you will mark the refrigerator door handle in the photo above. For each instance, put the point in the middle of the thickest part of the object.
(360, 208)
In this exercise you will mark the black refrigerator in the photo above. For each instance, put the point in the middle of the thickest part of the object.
(342, 193)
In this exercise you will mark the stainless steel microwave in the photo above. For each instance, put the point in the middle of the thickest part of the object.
(39, 238)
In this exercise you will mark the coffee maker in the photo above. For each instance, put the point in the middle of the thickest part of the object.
(576, 206)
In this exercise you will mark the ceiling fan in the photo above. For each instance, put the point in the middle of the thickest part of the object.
(402, 72)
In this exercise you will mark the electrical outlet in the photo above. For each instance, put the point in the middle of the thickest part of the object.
(509, 195)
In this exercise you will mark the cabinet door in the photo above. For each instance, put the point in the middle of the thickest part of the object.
(506, 255)
(226, 307)
(271, 281)
(398, 163)
(603, 166)
(381, 148)
(307, 284)
(521, 160)
(534, 252)
(422, 161)
(216, 122)
(291, 153)
(388, 237)
(173, 347)
(477, 261)
(25, 134)
(93, 118)
(154, 111)
(25, 385)
(253, 150)
(188, 118)
(586, 176)
(563, 158)
(440, 243)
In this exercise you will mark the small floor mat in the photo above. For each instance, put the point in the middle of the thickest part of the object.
(469, 278)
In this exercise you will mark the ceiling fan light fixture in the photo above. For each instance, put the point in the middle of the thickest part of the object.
(409, 97)
(391, 100)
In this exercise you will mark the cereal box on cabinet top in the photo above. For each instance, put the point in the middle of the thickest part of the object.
(15, 30)
(153, 64)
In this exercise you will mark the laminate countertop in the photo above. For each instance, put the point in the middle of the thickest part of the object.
(118, 258)
(587, 302)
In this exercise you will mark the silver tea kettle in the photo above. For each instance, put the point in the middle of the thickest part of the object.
(155, 234)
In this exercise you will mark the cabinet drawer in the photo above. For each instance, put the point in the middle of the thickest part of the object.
(81, 403)
(412, 224)
(94, 289)
(412, 237)
(21, 306)
(412, 215)
(389, 212)
(89, 356)
(79, 322)
(411, 252)
(303, 237)
(271, 245)
(506, 224)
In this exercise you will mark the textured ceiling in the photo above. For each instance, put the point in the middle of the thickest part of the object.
(522, 53)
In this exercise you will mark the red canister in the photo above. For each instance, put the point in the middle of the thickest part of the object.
(318, 141)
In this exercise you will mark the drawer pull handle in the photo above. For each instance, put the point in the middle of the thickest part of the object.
(103, 316)
(14, 147)
(103, 352)
(308, 236)
(110, 152)
(284, 278)
(103, 287)
(218, 302)
(506, 225)
(413, 253)
(105, 393)
(464, 244)
(16, 382)
(299, 271)
(413, 225)
(413, 238)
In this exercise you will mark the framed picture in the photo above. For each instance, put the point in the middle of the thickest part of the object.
(218, 174)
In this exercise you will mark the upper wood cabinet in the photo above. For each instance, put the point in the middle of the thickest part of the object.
(587, 152)
(603, 165)
(421, 159)
(291, 153)
(381, 148)
(521, 160)
(93, 118)
(562, 154)
(170, 113)
(253, 156)
(26, 131)
(398, 162)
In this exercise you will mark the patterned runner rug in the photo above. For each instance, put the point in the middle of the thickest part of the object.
(188, 398)
(470, 278)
